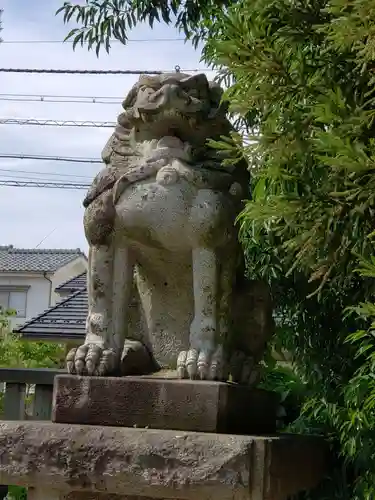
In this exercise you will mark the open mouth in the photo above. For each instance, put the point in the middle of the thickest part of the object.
(168, 115)
(168, 122)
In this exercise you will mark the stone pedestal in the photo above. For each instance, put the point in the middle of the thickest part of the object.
(162, 403)
(203, 457)
(83, 462)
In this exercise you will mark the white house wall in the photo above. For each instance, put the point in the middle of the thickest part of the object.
(38, 296)
(65, 273)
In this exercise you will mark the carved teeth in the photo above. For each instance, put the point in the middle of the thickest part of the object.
(168, 113)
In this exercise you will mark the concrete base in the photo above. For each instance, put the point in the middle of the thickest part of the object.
(82, 462)
(162, 403)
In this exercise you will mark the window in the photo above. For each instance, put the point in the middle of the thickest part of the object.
(14, 300)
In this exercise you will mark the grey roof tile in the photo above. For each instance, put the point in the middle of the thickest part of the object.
(74, 284)
(66, 320)
(35, 260)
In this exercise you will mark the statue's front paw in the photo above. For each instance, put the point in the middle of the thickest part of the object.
(92, 359)
(239, 367)
(201, 364)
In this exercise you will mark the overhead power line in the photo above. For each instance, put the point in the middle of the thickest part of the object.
(56, 123)
(39, 178)
(50, 158)
(32, 172)
(110, 97)
(81, 71)
(41, 184)
(87, 100)
(99, 71)
(132, 40)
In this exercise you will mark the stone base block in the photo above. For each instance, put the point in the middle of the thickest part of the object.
(83, 462)
(162, 403)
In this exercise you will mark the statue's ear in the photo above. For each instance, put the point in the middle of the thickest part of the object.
(220, 109)
(216, 93)
(107, 150)
(130, 98)
(199, 80)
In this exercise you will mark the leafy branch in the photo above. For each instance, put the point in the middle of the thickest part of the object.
(103, 20)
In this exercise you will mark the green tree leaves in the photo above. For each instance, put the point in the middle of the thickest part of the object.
(102, 20)
(16, 352)
(315, 184)
(302, 73)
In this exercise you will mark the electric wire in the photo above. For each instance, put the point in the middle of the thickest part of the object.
(62, 100)
(56, 123)
(10, 179)
(42, 184)
(12, 171)
(57, 96)
(101, 71)
(44, 178)
(19, 156)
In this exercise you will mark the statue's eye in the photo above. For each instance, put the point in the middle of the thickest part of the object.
(146, 90)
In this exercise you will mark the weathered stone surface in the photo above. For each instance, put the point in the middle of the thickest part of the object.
(43, 494)
(161, 213)
(162, 403)
(157, 464)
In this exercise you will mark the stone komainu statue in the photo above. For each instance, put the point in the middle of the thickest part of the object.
(159, 219)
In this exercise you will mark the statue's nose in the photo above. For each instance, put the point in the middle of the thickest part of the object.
(169, 93)
(169, 96)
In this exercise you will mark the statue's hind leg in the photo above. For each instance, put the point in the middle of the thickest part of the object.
(238, 363)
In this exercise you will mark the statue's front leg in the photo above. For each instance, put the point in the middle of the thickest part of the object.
(204, 358)
(101, 352)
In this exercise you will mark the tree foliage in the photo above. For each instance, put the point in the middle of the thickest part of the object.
(300, 75)
(311, 93)
(16, 352)
(102, 20)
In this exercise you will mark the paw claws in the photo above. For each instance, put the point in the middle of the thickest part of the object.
(191, 371)
(79, 366)
(191, 363)
(202, 371)
(240, 368)
(91, 359)
(90, 365)
(181, 363)
(70, 367)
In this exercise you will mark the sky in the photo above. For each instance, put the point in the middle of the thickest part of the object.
(52, 218)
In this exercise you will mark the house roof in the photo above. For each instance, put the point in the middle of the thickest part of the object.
(35, 260)
(66, 319)
(74, 284)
